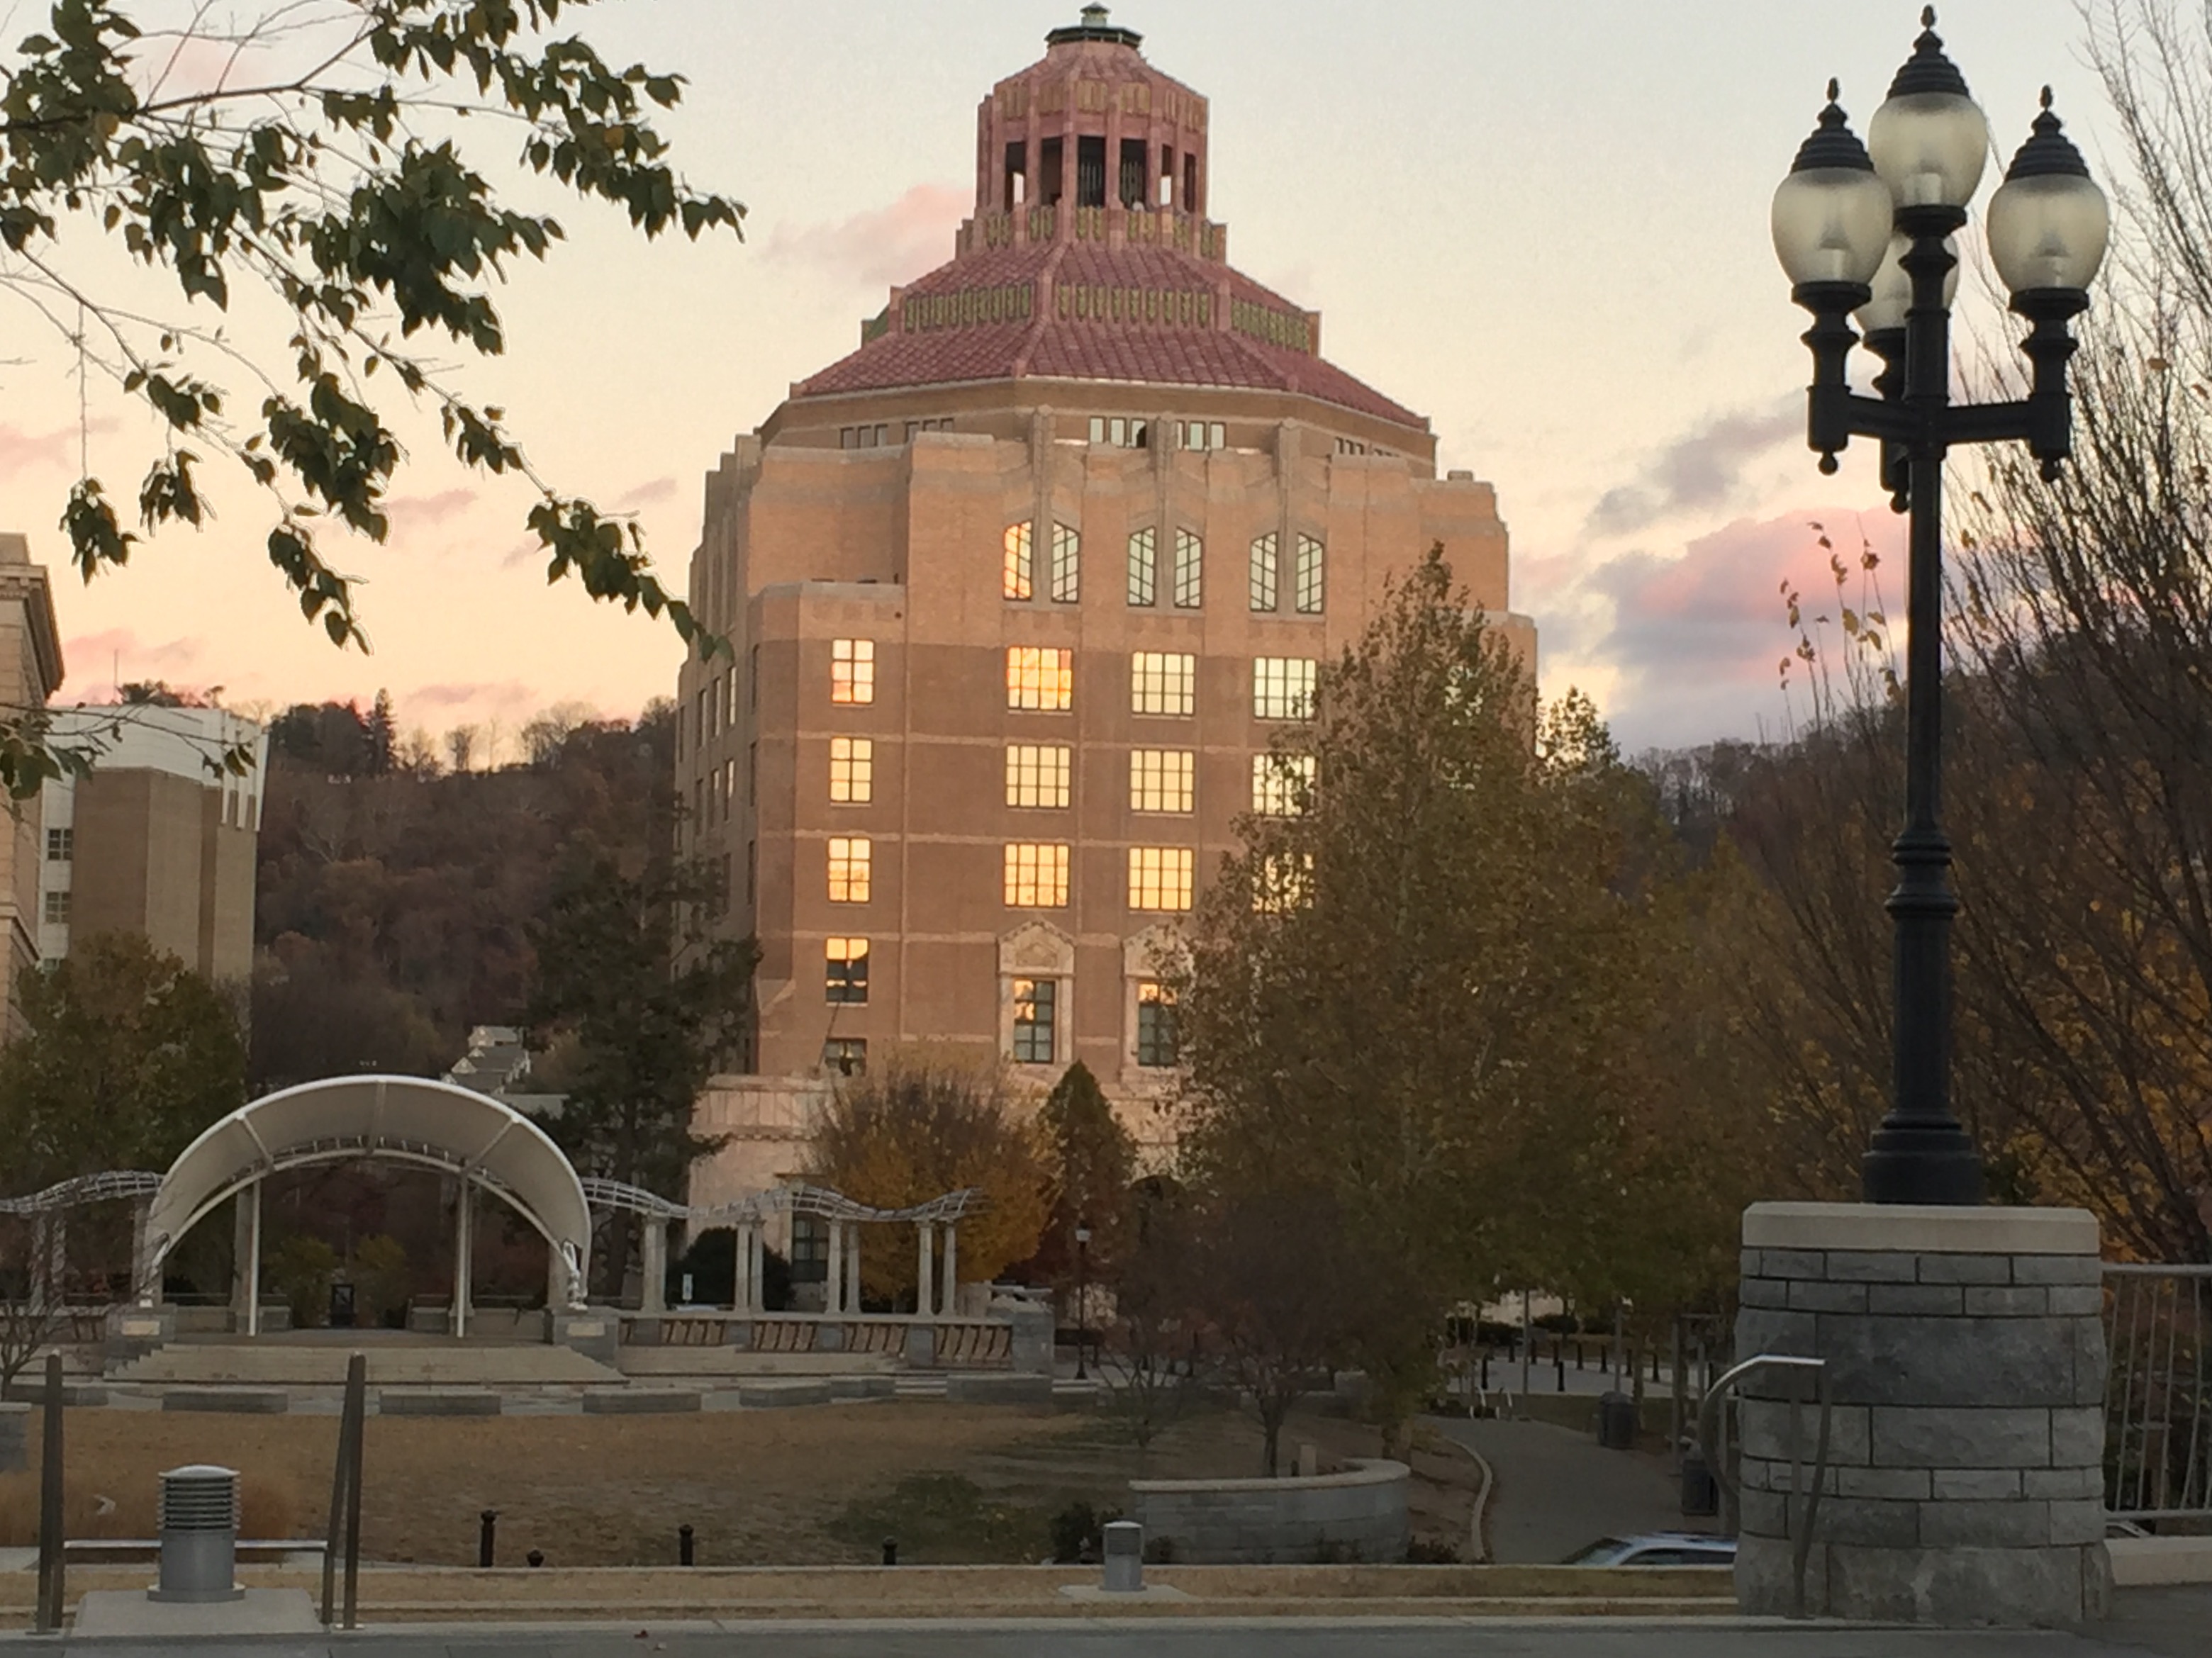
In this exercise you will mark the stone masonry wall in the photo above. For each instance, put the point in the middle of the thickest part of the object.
(1966, 1453)
(1359, 1515)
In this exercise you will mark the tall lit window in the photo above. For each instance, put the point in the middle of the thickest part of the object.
(1285, 880)
(848, 869)
(1159, 877)
(1307, 590)
(1020, 576)
(1144, 566)
(1160, 779)
(852, 769)
(1035, 1019)
(1037, 876)
(1282, 688)
(846, 977)
(1156, 1028)
(1162, 682)
(1040, 677)
(852, 670)
(1037, 774)
(1067, 565)
(1189, 570)
(1263, 572)
(1281, 783)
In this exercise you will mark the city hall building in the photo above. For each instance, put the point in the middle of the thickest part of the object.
(1021, 591)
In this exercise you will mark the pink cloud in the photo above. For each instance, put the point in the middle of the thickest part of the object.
(56, 449)
(118, 653)
(660, 489)
(422, 512)
(504, 694)
(886, 244)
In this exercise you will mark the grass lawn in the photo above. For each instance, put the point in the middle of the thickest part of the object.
(951, 1483)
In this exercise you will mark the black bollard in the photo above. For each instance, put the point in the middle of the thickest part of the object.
(890, 1550)
(486, 1524)
(683, 1546)
(535, 1557)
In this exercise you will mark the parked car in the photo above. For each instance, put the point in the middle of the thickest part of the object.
(1663, 1548)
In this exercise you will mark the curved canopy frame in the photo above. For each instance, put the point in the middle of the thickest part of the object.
(411, 1120)
(84, 1188)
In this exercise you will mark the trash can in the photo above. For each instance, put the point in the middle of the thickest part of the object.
(1701, 1492)
(341, 1305)
(1616, 1422)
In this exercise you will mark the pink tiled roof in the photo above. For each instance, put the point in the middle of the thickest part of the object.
(1050, 346)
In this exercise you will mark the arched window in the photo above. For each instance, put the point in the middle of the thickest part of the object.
(1067, 565)
(1020, 567)
(1144, 566)
(1263, 572)
(1307, 588)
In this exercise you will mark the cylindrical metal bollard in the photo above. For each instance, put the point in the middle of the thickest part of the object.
(890, 1550)
(487, 1529)
(1701, 1495)
(535, 1557)
(199, 1535)
(1124, 1551)
(683, 1546)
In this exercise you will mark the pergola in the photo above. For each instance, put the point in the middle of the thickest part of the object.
(845, 1219)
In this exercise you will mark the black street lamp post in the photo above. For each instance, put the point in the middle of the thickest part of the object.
(1082, 1296)
(1870, 234)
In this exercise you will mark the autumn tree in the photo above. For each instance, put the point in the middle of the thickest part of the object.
(1419, 987)
(919, 1124)
(327, 169)
(125, 1055)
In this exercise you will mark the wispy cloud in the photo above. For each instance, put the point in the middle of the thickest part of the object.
(1698, 472)
(884, 246)
(97, 661)
(645, 494)
(498, 696)
(426, 512)
(57, 448)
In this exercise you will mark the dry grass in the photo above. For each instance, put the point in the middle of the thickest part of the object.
(794, 1487)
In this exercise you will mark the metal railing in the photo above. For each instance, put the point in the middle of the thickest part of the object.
(2158, 1400)
(1712, 1434)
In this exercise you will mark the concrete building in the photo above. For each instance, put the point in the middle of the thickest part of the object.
(160, 840)
(1021, 591)
(30, 672)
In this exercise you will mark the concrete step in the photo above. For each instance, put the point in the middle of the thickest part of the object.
(278, 1363)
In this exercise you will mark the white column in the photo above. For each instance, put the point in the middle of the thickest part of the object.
(834, 1293)
(652, 1300)
(953, 1268)
(925, 1263)
(853, 1276)
(252, 1196)
(756, 1267)
(464, 1249)
(145, 1273)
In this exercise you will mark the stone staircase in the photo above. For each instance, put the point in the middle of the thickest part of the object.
(275, 1362)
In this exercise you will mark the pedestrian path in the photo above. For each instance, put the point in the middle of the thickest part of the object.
(1558, 1490)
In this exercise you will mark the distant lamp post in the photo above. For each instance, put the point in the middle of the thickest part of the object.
(1082, 1296)
(1870, 234)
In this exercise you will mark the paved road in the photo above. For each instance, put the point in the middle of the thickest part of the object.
(1558, 1490)
(2169, 1623)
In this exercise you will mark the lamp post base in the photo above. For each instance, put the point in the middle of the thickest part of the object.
(1923, 1165)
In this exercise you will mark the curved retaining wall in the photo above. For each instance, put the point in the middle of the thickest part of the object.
(1359, 1515)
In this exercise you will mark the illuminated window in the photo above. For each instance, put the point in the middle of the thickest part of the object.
(1020, 582)
(1263, 572)
(852, 671)
(1159, 779)
(1144, 566)
(1162, 682)
(1037, 876)
(1307, 590)
(1121, 432)
(1281, 783)
(1067, 565)
(845, 1056)
(1286, 881)
(1282, 688)
(1156, 1026)
(1035, 1008)
(852, 769)
(846, 980)
(1040, 677)
(1037, 774)
(1189, 570)
(848, 869)
(1159, 877)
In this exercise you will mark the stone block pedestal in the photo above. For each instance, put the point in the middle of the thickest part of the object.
(1966, 1363)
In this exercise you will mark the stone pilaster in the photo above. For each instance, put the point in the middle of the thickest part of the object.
(1966, 1368)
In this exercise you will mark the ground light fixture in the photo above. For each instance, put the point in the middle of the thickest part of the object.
(1865, 233)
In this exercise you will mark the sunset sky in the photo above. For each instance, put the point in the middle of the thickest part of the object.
(1544, 226)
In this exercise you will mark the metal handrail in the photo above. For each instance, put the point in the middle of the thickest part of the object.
(1712, 1433)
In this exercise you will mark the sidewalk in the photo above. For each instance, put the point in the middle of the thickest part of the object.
(1557, 1491)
